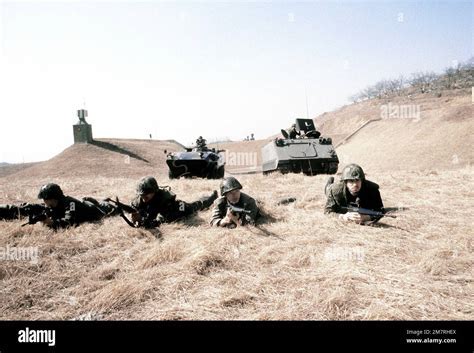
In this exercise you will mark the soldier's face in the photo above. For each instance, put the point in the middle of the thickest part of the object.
(147, 197)
(354, 186)
(233, 196)
(51, 203)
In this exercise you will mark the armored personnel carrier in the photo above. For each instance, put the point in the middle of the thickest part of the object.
(200, 162)
(309, 153)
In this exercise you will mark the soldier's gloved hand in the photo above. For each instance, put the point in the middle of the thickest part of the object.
(48, 221)
(232, 216)
(229, 219)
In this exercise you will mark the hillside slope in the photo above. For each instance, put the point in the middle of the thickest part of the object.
(345, 120)
(440, 139)
(7, 169)
(109, 157)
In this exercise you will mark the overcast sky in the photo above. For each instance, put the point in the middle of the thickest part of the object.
(177, 70)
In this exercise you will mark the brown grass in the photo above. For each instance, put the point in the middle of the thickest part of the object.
(440, 139)
(418, 266)
(300, 264)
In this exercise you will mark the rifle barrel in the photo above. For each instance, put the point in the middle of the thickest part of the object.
(368, 212)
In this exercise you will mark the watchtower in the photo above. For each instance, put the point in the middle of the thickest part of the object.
(82, 130)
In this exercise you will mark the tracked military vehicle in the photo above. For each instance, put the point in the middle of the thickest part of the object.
(309, 153)
(200, 162)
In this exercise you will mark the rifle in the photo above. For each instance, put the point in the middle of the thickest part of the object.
(121, 206)
(366, 211)
(36, 213)
(32, 209)
(238, 210)
(144, 221)
(241, 211)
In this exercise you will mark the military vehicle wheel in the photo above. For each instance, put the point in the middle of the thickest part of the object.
(296, 169)
(220, 172)
(211, 174)
(332, 169)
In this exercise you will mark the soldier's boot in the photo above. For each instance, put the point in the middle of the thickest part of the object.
(328, 185)
(91, 200)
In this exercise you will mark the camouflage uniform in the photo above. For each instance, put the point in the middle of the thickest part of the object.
(338, 196)
(221, 205)
(69, 211)
(164, 207)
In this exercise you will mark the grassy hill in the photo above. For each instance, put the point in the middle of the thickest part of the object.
(7, 169)
(106, 158)
(297, 264)
(438, 139)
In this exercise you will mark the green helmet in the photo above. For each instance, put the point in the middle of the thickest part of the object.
(147, 185)
(228, 184)
(352, 172)
(50, 191)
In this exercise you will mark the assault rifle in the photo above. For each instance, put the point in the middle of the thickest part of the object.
(366, 211)
(238, 210)
(143, 222)
(35, 212)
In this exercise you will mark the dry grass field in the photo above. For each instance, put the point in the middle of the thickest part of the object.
(297, 264)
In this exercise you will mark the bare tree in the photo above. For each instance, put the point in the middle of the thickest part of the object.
(451, 74)
(469, 64)
(459, 76)
(382, 89)
(423, 80)
(369, 92)
(466, 79)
